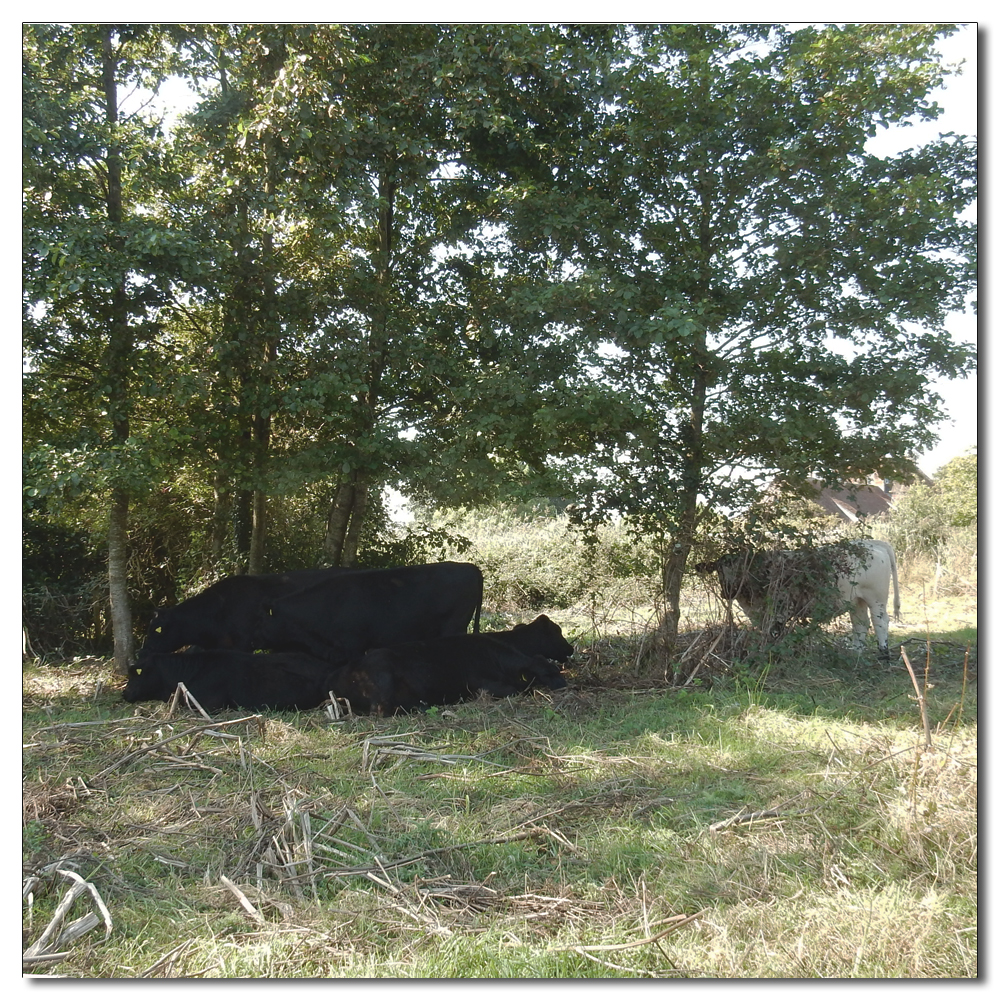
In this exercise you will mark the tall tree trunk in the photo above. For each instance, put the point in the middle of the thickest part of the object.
(347, 518)
(267, 325)
(255, 562)
(117, 367)
(336, 524)
(242, 519)
(221, 512)
(121, 612)
(674, 559)
(359, 509)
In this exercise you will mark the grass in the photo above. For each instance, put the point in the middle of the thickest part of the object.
(746, 811)
(792, 827)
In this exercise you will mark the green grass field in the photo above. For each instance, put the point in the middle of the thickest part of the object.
(775, 817)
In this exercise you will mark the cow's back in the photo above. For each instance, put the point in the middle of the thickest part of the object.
(341, 618)
(224, 615)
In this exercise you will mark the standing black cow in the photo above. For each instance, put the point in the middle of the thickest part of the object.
(223, 678)
(341, 618)
(440, 672)
(224, 615)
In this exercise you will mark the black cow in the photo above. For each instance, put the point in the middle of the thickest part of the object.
(223, 678)
(224, 615)
(542, 637)
(339, 619)
(441, 671)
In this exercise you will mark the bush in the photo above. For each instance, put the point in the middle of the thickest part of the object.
(535, 562)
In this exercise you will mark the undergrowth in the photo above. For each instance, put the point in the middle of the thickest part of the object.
(773, 829)
(739, 810)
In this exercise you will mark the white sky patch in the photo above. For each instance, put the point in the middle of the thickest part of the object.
(959, 99)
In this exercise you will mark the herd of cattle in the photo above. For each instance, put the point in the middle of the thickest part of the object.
(384, 640)
(398, 639)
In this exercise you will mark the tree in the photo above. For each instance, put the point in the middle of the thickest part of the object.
(768, 298)
(404, 344)
(958, 483)
(94, 267)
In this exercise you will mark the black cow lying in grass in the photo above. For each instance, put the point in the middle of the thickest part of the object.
(542, 637)
(220, 678)
(441, 672)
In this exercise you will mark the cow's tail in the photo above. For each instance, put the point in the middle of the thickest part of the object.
(895, 581)
(475, 621)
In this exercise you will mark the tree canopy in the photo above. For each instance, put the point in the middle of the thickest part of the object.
(645, 266)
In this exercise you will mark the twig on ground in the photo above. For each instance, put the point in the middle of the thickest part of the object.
(750, 817)
(676, 923)
(251, 910)
(166, 960)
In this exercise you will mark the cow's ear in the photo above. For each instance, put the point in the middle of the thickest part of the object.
(159, 628)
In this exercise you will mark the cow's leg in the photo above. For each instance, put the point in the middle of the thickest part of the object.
(880, 622)
(859, 624)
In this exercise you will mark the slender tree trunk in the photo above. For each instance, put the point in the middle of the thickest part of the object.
(242, 518)
(347, 518)
(221, 513)
(336, 525)
(117, 364)
(255, 563)
(674, 559)
(121, 612)
(267, 325)
(359, 509)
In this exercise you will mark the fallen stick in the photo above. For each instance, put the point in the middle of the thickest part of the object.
(751, 816)
(165, 959)
(675, 923)
(252, 910)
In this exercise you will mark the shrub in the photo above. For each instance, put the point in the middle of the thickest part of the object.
(531, 562)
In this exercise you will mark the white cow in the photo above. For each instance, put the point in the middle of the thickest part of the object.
(817, 584)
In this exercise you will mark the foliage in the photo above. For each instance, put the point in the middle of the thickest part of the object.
(925, 516)
(958, 483)
(533, 562)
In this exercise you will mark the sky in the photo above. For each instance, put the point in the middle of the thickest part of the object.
(960, 103)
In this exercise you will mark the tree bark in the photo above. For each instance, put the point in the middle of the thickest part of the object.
(255, 563)
(121, 612)
(117, 366)
(336, 525)
(359, 508)
(347, 518)
(674, 559)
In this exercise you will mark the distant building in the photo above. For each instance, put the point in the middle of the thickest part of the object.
(856, 500)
